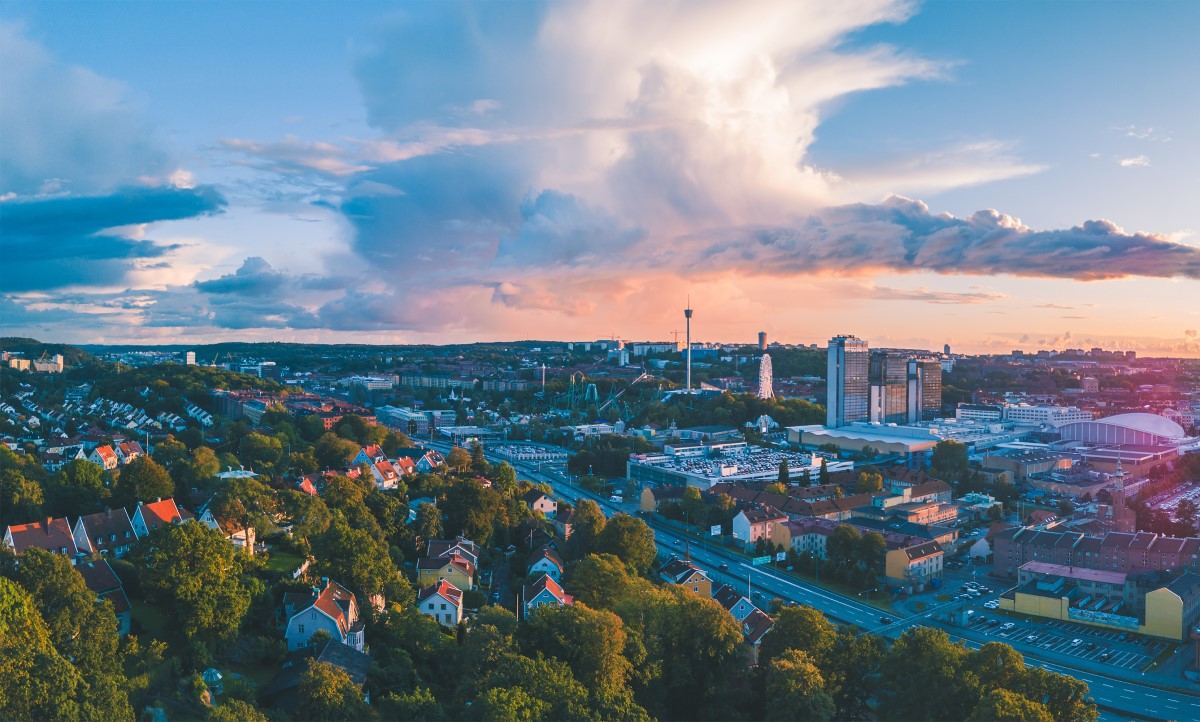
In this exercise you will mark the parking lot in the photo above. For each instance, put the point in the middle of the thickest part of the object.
(1096, 645)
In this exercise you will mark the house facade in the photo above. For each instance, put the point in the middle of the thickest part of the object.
(329, 607)
(443, 602)
(161, 512)
(105, 532)
(104, 457)
(52, 535)
(544, 591)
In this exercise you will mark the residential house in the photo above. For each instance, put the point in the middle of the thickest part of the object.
(414, 504)
(160, 512)
(545, 561)
(455, 560)
(105, 583)
(430, 462)
(756, 522)
(754, 628)
(537, 501)
(687, 575)
(542, 592)
(455, 567)
(734, 602)
(127, 451)
(240, 535)
(369, 455)
(329, 607)
(564, 523)
(104, 532)
(280, 692)
(914, 567)
(385, 474)
(308, 484)
(53, 535)
(443, 602)
(404, 466)
(104, 457)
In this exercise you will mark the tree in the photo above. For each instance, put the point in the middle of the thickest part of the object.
(799, 628)
(357, 559)
(327, 694)
(419, 705)
(479, 463)
(851, 669)
(795, 689)
(949, 461)
(587, 523)
(21, 498)
(1065, 697)
(36, 682)
(395, 441)
(428, 524)
(77, 488)
(927, 654)
(540, 678)
(355, 429)
(194, 572)
(629, 539)
(458, 459)
(824, 471)
(235, 710)
(474, 511)
(511, 705)
(602, 580)
(334, 452)
(1185, 517)
(590, 641)
(1001, 705)
(259, 451)
(204, 464)
(784, 477)
(81, 630)
(505, 479)
(869, 482)
(143, 479)
(247, 501)
(1065, 508)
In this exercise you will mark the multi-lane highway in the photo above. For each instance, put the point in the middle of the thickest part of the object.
(1128, 697)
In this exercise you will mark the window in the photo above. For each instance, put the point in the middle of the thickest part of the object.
(302, 629)
(443, 607)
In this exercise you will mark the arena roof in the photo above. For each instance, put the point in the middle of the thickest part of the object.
(1148, 423)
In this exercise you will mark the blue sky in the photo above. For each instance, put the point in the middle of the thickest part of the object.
(438, 172)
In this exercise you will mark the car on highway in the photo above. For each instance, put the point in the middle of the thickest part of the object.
(616, 499)
(886, 620)
(724, 567)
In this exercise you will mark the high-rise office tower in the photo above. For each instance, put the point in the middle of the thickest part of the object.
(847, 381)
(762, 340)
(766, 383)
(946, 349)
(924, 389)
(190, 358)
(889, 387)
(687, 315)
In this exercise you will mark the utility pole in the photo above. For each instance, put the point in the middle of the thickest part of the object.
(687, 315)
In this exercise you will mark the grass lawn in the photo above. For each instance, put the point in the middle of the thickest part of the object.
(284, 562)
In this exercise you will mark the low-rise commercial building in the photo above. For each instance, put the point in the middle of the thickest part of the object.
(1151, 603)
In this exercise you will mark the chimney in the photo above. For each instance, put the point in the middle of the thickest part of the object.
(324, 583)
(47, 525)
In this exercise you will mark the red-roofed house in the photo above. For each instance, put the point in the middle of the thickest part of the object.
(104, 457)
(105, 532)
(756, 522)
(546, 561)
(541, 592)
(307, 485)
(127, 451)
(53, 535)
(386, 476)
(369, 455)
(405, 466)
(330, 607)
(443, 602)
(148, 517)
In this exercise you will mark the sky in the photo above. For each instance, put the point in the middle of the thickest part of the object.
(989, 175)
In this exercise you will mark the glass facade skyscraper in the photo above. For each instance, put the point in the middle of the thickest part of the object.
(848, 381)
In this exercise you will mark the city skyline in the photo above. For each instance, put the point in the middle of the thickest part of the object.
(434, 173)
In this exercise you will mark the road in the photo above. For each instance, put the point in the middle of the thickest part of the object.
(1142, 701)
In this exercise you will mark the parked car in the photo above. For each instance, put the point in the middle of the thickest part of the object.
(1076, 642)
(1007, 626)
